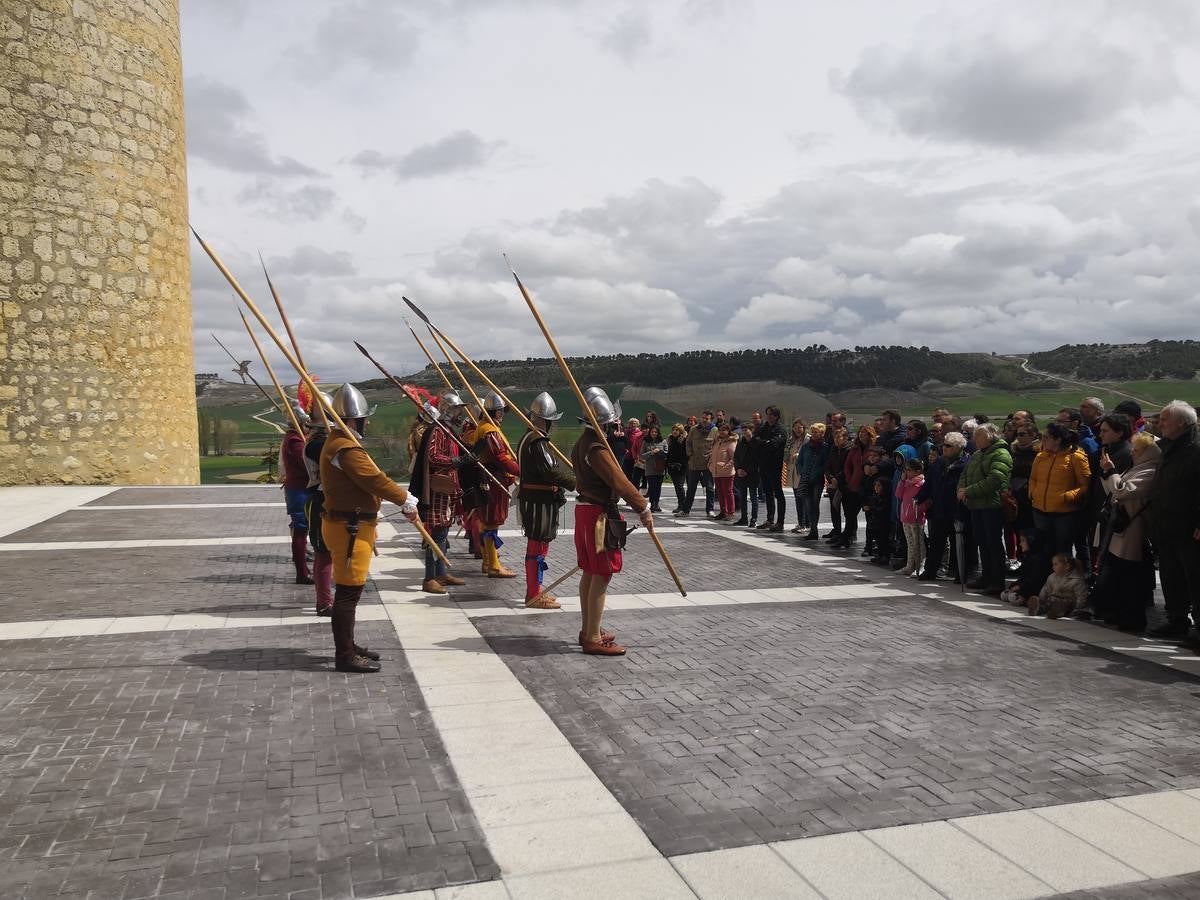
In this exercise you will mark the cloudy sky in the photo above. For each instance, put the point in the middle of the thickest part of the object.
(676, 174)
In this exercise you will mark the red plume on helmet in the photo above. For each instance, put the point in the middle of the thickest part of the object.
(420, 392)
(304, 395)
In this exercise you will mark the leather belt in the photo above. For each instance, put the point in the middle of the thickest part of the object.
(342, 516)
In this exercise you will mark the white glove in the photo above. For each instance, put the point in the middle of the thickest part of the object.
(409, 508)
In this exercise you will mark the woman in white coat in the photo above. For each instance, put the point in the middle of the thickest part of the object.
(1126, 585)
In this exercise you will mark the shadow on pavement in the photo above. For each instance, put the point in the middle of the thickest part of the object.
(260, 659)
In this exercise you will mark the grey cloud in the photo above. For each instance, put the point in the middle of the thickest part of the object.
(628, 35)
(220, 132)
(806, 141)
(307, 203)
(1068, 90)
(457, 152)
(369, 34)
(315, 261)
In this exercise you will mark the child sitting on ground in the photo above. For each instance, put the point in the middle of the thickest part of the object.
(1033, 572)
(1064, 591)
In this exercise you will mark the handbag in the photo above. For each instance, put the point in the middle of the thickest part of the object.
(443, 483)
(1120, 519)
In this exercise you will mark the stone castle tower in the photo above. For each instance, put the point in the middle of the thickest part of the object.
(96, 380)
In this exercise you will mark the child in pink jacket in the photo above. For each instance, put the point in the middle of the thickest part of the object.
(912, 514)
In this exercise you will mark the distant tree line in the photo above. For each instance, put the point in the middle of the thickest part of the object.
(1122, 362)
(816, 367)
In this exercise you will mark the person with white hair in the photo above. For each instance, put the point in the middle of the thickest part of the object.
(1092, 410)
(987, 475)
(941, 491)
(1174, 514)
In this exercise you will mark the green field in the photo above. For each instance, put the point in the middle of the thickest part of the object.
(392, 420)
(1046, 402)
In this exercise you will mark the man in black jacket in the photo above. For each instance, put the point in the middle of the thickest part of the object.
(1174, 513)
(770, 439)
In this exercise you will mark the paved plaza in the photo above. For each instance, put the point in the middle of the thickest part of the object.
(802, 724)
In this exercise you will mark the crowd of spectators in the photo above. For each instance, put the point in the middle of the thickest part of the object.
(1080, 515)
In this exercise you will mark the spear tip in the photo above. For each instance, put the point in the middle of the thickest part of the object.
(416, 309)
(508, 262)
(195, 232)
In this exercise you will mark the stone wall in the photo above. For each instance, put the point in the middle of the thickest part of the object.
(96, 380)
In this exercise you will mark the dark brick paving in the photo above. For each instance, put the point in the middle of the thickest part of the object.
(728, 726)
(144, 524)
(1182, 887)
(70, 584)
(250, 493)
(706, 562)
(223, 764)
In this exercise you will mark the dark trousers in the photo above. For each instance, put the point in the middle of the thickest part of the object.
(1124, 589)
(987, 525)
(679, 482)
(851, 504)
(1179, 572)
(1058, 530)
(773, 493)
(747, 498)
(695, 477)
(812, 502)
(941, 532)
(434, 567)
(654, 485)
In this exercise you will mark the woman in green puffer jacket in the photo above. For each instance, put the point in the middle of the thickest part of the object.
(986, 477)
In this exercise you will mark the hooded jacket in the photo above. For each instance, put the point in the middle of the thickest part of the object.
(1059, 480)
(902, 454)
(987, 475)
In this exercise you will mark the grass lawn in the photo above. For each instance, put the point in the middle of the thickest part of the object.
(218, 469)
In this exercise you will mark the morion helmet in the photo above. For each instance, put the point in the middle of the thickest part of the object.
(493, 402)
(605, 411)
(314, 409)
(301, 415)
(450, 400)
(349, 403)
(543, 407)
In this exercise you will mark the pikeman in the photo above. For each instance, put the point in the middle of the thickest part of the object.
(353, 486)
(493, 452)
(295, 491)
(600, 531)
(543, 483)
(469, 481)
(435, 481)
(322, 568)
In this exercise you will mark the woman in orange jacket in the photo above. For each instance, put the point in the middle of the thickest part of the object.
(1058, 485)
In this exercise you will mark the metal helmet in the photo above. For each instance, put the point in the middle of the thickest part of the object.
(493, 402)
(605, 411)
(315, 416)
(476, 411)
(349, 403)
(448, 401)
(544, 407)
(301, 415)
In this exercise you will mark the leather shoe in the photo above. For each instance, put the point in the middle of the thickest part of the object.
(356, 663)
(369, 654)
(446, 580)
(603, 648)
(433, 586)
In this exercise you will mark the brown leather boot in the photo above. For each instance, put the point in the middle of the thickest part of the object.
(345, 603)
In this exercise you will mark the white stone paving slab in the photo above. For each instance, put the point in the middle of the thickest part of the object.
(541, 802)
(570, 843)
(1126, 837)
(851, 867)
(24, 506)
(755, 871)
(648, 879)
(957, 864)
(1057, 857)
(1174, 810)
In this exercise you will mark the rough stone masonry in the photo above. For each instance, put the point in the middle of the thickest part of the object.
(96, 380)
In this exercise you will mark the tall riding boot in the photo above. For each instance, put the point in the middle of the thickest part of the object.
(348, 657)
(300, 555)
(323, 578)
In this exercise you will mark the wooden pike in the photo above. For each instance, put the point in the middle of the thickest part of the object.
(437, 332)
(291, 334)
(304, 376)
(435, 419)
(566, 370)
(463, 378)
(275, 381)
(262, 390)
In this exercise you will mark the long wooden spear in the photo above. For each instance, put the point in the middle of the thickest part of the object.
(437, 332)
(275, 381)
(465, 382)
(262, 390)
(566, 370)
(295, 364)
(433, 362)
(433, 416)
(287, 325)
